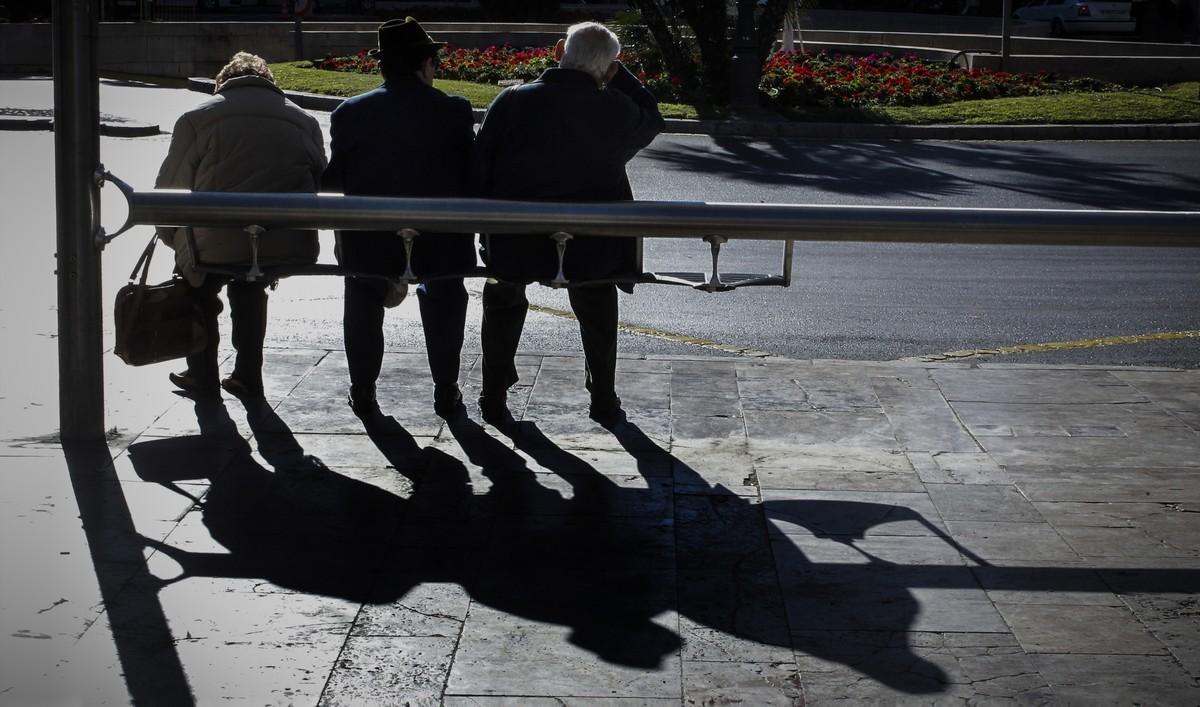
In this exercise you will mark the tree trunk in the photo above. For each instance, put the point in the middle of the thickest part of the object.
(708, 20)
(670, 44)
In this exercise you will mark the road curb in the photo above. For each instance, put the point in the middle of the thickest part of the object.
(108, 127)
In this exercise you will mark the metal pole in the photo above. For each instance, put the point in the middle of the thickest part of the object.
(1006, 10)
(77, 190)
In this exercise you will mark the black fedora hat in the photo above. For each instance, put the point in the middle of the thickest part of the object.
(403, 37)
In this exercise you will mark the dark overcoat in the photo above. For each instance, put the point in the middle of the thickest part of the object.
(402, 139)
(563, 138)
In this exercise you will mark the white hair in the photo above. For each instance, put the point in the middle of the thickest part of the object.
(591, 47)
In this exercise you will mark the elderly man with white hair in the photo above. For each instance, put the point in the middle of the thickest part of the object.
(566, 136)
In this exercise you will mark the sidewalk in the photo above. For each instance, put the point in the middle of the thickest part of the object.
(19, 118)
(760, 530)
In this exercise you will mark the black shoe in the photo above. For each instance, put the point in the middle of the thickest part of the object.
(447, 401)
(188, 383)
(242, 390)
(362, 401)
(494, 410)
(606, 409)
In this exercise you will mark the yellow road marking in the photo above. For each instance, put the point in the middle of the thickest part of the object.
(663, 335)
(1060, 345)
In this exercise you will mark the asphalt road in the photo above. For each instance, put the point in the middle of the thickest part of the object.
(887, 301)
(848, 301)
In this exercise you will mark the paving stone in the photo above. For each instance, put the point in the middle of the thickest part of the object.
(643, 390)
(858, 667)
(981, 503)
(1121, 679)
(706, 406)
(572, 429)
(525, 701)
(1162, 447)
(1177, 392)
(1062, 628)
(886, 584)
(958, 468)
(263, 648)
(861, 428)
(839, 480)
(772, 394)
(1098, 485)
(714, 466)
(391, 670)
(706, 683)
(632, 364)
(921, 418)
(728, 589)
(704, 643)
(1129, 417)
(825, 395)
(432, 609)
(504, 654)
(772, 455)
(1174, 619)
(751, 368)
(1074, 585)
(995, 541)
(1126, 542)
(706, 427)
(1174, 524)
(1027, 385)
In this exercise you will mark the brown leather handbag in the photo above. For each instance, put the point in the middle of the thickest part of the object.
(156, 322)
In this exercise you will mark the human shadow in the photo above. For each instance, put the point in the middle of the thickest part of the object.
(928, 171)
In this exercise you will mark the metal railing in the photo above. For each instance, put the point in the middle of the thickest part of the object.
(715, 223)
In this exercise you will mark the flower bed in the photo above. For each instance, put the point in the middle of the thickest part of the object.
(791, 79)
(842, 81)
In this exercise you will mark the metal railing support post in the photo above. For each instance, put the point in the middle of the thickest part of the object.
(77, 189)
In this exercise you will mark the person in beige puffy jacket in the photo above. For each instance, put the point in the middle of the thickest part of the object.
(246, 138)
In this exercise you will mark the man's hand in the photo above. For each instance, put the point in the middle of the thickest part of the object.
(612, 71)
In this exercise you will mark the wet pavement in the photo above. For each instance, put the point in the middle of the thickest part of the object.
(762, 531)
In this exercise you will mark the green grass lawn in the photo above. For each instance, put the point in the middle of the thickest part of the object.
(1171, 104)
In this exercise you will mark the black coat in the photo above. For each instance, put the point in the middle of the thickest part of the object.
(402, 139)
(562, 138)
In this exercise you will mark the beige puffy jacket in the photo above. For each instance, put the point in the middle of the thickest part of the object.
(247, 138)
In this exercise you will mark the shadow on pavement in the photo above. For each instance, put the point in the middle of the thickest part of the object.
(607, 560)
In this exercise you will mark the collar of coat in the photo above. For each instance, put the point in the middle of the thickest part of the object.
(247, 82)
(573, 76)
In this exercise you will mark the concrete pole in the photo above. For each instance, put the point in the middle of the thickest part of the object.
(76, 161)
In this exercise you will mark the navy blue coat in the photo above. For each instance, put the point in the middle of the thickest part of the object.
(562, 138)
(402, 139)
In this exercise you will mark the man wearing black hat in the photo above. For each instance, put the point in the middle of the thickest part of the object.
(563, 137)
(405, 138)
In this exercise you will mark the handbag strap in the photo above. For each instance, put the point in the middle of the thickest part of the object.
(143, 261)
(143, 264)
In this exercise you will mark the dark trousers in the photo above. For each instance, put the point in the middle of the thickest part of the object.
(504, 308)
(443, 305)
(248, 310)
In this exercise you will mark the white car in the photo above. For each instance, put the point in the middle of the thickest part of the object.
(1065, 17)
